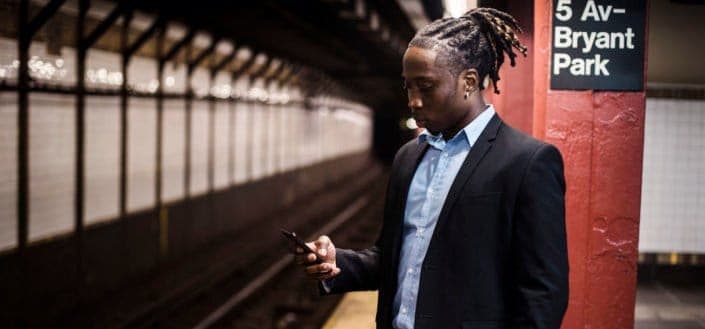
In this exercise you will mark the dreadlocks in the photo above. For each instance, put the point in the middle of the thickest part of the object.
(479, 39)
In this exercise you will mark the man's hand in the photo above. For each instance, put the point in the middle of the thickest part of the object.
(326, 253)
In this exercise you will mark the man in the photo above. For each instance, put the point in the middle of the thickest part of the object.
(474, 221)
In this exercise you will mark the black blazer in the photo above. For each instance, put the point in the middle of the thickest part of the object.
(497, 257)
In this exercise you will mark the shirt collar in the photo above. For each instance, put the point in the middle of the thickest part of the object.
(471, 132)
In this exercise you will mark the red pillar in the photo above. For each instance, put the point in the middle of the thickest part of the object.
(600, 135)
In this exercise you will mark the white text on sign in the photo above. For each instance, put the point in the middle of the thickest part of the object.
(564, 37)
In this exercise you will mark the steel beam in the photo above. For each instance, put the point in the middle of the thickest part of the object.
(23, 126)
(211, 129)
(225, 61)
(79, 194)
(161, 212)
(205, 53)
(179, 45)
(27, 29)
(124, 44)
(245, 66)
(262, 69)
(160, 109)
(274, 75)
(231, 133)
(142, 39)
(44, 15)
(188, 105)
(250, 126)
(102, 27)
(80, 117)
(292, 73)
(23, 159)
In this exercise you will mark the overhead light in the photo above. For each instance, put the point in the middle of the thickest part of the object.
(457, 8)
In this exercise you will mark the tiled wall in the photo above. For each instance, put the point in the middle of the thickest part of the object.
(102, 159)
(51, 164)
(173, 150)
(266, 136)
(199, 148)
(8, 170)
(221, 125)
(673, 188)
(141, 153)
(242, 114)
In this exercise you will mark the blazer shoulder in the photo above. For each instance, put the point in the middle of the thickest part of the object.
(403, 150)
(523, 143)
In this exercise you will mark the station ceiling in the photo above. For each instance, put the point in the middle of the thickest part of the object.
(358, 44)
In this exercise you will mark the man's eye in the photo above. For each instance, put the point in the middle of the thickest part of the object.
(425, 86)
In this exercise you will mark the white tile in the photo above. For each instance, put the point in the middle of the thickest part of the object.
(51, 165)
(102, 159)
(141, 153)
(8, 170)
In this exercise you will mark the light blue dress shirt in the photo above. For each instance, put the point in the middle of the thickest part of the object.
(427, 193)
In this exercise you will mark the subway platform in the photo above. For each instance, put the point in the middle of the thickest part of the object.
(151, 151)
(664, 306)
(658, 306)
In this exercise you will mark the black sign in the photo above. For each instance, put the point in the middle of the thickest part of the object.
(598, 45)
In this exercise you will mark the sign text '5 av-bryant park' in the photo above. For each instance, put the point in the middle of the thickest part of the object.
(598, 45)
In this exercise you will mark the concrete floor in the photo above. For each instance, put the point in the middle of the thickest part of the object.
(662, 306)
(658, 306)
(355, 311)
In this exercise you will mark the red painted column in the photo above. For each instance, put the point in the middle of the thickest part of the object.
(600, 135)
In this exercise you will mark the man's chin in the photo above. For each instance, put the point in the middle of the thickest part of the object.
(423, 124)
(426, 126)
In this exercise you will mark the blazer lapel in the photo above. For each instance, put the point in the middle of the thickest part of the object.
(477, 153)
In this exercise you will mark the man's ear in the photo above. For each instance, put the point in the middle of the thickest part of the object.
(471, 79)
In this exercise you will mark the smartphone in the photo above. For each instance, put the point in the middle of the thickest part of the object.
(300, 243)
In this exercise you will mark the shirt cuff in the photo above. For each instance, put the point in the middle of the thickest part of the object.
(325, 286)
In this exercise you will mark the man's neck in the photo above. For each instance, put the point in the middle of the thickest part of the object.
(471, 115)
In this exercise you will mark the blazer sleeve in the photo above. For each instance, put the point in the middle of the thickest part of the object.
(359, 271)
(539, 250)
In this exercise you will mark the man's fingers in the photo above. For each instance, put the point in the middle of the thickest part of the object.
(318, 269)
(325, 275)
(321, 248)
(322, 245)
(310, 258)
(305, 258)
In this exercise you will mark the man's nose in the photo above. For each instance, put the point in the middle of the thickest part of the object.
(415, 101)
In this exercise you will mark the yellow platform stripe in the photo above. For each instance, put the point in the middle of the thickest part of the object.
(355, 311)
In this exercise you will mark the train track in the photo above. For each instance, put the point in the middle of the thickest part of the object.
(252, 283)
(289, 300)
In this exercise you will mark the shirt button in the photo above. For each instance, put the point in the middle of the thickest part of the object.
(410, 270)
(403, 309)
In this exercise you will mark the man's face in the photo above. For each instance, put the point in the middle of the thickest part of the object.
(435, 95)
